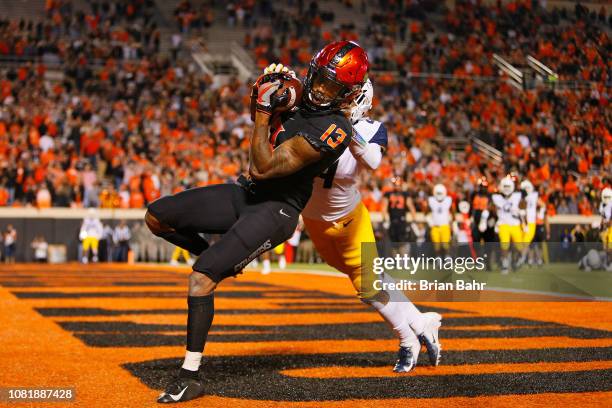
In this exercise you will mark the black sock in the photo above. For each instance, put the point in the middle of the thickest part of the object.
(199, 319)
(190, 241)
(189, 374)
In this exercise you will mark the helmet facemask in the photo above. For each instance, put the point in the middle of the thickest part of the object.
(323, 91)
(362, 102)
(506, 186)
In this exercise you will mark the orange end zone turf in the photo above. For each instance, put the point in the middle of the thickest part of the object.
(115, 333)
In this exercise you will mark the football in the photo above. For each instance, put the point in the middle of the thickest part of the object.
(294, 87)
(289, 84)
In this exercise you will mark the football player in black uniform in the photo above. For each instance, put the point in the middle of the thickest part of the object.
(261, 211)
(395, 205)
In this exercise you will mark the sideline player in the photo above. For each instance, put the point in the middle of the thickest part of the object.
(534, 205)
(605, 210)
(507, 201)
(480, 204)
(257, 214)
(338, 223)
(394, 206)
(462, 229)
(440, 217)
(91, 232)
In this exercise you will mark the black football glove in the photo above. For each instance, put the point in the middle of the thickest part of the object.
(264, 95)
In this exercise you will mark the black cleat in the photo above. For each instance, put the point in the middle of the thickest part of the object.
(181, 389)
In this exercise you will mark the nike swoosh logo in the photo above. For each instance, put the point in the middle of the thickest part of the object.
(179, 395)
(283, 213)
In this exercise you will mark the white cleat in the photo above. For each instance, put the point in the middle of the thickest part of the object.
(429, 337)
(407, 358)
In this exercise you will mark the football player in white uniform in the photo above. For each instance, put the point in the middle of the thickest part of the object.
(440, 217)
(508, 202)
(90, 234)
(338, 223)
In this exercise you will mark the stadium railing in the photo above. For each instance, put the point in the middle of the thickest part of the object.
(485, 150)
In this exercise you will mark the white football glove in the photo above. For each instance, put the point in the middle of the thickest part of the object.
(482, 225)
(279, 69)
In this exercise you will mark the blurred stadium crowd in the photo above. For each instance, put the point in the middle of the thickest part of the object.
(129, 123)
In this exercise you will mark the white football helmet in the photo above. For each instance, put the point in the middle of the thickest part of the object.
(439, 192)
(606, 196)
(363, 102)
(593, 259)
(464, 207)
(506, 186)
(527, 186)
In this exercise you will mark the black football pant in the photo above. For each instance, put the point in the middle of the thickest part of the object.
(397, 230)
(249, 225)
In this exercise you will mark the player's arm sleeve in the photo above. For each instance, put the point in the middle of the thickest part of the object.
(367, 154)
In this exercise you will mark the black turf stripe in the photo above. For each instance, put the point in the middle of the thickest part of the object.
(267, 294)
(75, 312)
(258, 377)
(104, 334)
(328, 308)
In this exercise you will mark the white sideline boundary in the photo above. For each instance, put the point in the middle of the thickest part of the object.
(552, 294)
(320, 272)
(491, 289)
